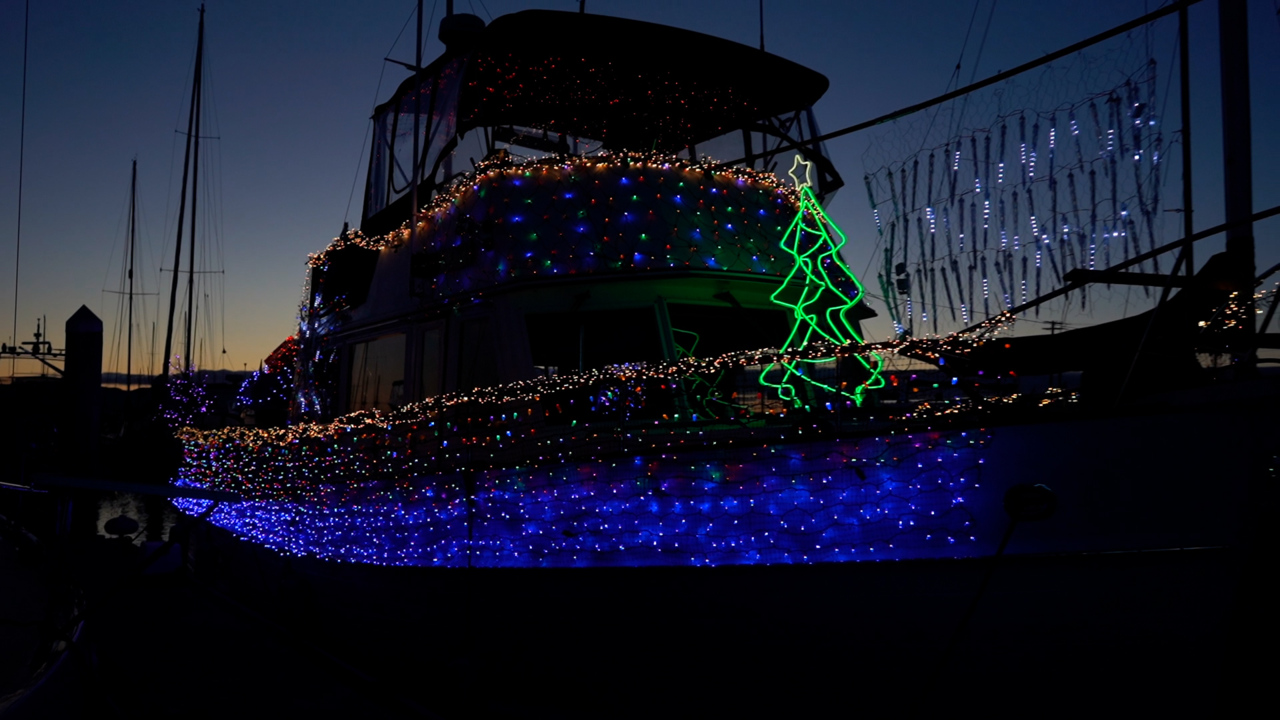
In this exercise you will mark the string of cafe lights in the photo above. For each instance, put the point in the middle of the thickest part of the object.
(629, 374)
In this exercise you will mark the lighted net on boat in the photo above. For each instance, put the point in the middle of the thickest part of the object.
(985, 202)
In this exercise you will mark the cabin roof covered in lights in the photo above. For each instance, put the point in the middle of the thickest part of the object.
(564, 72)
(569, 84)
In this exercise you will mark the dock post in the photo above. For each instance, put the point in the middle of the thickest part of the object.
(82, 388)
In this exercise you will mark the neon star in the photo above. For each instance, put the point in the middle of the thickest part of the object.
(807, 172)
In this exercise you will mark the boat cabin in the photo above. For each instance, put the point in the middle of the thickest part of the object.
(579, 205)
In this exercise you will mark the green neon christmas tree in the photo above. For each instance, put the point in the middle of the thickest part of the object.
(818, 305)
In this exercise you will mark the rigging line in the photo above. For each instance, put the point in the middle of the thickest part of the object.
(120, 231)
(173, 151)
(952, 128)
(120, 301)
(1164, 105)
(955, 74)
(213, 248)
(1168, 85)
(955, 78)
(109, 354)
(983, 43)
(141, 277)
(208, 321)
(1146, 32)
(987, 82)
(346, 214)
(974, 73)
(22, 147)
(222, 298)
(486, 10)
(198, 92)
(112, 349)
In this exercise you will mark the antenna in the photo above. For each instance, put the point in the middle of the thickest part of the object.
(761, 25)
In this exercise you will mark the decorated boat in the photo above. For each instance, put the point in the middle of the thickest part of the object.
(573, 330)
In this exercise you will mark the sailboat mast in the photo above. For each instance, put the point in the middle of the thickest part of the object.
(22, 150)
(182, 200)
(133, 243)
(195, 184)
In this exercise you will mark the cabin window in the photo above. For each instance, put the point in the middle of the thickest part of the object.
(711, 330)
(377, 373)
(561, 342)
(478, 354)
(431, 380)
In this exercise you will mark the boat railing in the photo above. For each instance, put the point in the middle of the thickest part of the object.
(613, 419)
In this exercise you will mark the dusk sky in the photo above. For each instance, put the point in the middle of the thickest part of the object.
(292, 85)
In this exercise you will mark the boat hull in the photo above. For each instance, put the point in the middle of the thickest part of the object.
(1173, 479)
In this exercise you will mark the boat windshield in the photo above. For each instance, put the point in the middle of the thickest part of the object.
(434, 103)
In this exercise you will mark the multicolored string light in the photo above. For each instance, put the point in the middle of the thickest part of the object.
(606, 213)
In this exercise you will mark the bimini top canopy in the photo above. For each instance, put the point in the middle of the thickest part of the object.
(627, 83)
(620, 84)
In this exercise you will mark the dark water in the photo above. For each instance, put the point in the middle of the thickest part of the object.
(155, 515)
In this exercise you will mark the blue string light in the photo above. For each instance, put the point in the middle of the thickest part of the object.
(895, 497)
